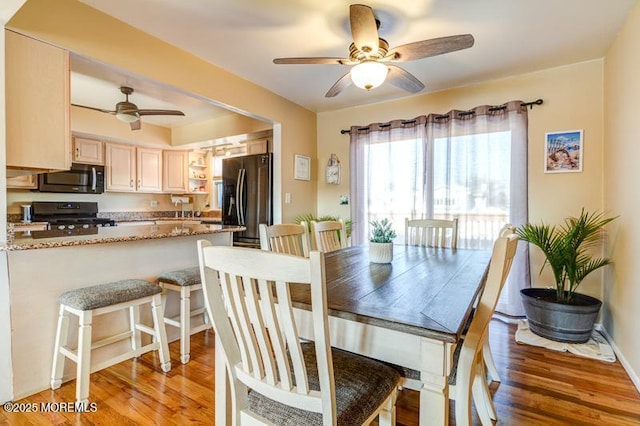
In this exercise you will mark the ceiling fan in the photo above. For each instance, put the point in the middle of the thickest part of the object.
(372, 59)
(129, 112)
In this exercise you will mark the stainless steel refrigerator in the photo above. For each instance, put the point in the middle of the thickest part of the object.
(247, 195)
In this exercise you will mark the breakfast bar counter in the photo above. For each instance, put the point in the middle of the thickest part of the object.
(30, 240)
(41, 266)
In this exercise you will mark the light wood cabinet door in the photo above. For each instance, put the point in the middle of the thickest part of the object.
(174, 171)
(149, 170)
(37, 95)
(120, 167)
(257, 147)
(88, 151)
(23, 182)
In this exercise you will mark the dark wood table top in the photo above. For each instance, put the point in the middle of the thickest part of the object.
(425, 291)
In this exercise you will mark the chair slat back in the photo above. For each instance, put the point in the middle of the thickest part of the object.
(287, 238)
(247, 295)
(504, 250)
(329, 235)
(431, 232)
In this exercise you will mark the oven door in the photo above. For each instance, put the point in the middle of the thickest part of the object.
(81, 178)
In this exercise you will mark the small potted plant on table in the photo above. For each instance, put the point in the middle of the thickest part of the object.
(381, 241)
(560, 313)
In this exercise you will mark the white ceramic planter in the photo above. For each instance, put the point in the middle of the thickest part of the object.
(380, 252)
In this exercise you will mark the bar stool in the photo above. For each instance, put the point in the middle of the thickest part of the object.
(100, 299)
(184, 281)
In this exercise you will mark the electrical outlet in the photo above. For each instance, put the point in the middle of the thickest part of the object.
(154, 203)
(287, 198)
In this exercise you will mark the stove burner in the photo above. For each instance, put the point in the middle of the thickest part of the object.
(69, 215)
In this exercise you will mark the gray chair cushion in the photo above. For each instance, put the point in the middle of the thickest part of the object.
(362, 384)
(101, 295)
(182, 277)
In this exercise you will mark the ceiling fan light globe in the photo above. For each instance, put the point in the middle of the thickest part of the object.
(127, 117)
(369, 74)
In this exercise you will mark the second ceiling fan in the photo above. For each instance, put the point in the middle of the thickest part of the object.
(129, 112)
(373, 61)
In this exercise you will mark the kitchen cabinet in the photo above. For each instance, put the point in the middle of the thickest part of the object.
(133, 169)
(149, 169)
(88, 151)
(198, 172)
(259, 146)
(37, 96)
(23, 182)
(174, 171)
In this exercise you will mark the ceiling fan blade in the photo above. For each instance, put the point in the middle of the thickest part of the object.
(95, 109)
(403, 79)
(339, 86)
(432, 47)
(136, 125)
(142, 112)
(320, 60)
(364, 28)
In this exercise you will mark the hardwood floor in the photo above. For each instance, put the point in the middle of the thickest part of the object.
(539, 387)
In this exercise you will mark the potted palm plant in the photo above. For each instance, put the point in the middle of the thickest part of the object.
(561, 313)
(381, 241)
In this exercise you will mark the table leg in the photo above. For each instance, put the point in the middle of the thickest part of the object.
(434, 404)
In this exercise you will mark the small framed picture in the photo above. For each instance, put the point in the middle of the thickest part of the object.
(302, 167)
(563, 151)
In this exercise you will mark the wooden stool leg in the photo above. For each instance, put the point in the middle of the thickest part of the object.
(134, 320)
(158, 324)
(61, 341)
(84, 356)
(185, 324)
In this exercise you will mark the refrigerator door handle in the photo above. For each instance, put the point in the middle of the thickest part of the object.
(241, 207)
(238, 199)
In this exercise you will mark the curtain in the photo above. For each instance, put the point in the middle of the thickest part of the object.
(470, 165)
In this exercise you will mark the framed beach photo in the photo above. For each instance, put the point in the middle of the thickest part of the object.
(302, 167)
(563, 151)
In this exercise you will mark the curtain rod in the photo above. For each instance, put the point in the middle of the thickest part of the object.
(524, 104)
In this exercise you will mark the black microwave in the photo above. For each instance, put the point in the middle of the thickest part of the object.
(81, 178)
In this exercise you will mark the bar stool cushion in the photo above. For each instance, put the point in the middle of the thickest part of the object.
(101, 295)
(182, 277)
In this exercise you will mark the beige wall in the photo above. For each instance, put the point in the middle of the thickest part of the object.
(111, 41)
(622, 287)
(572, 100)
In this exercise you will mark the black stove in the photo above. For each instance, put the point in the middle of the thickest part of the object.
(68, 215)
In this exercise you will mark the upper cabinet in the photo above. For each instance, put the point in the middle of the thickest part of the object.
(174, 171)
(37, 99)
(131, 169)
(88, 151)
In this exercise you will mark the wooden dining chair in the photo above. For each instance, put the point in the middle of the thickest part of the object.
(431, 232)
(288, 238)
(275, 378)
(490, 364)
(329, 235)
(467, 380)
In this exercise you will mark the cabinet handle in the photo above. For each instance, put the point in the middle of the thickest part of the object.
(77, 152)
(138, 183)
(131, 183)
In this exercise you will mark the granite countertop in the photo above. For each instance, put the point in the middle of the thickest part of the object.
(55, 238)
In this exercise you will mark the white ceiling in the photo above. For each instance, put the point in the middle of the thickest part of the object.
(244, 36)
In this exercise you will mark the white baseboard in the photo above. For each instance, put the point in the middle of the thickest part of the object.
(623, 361)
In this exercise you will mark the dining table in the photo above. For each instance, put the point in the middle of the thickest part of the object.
(411, 313)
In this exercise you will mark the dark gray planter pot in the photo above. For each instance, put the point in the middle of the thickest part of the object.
(572, 323)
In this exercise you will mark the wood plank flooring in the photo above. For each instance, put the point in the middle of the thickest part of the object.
(539, 387)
